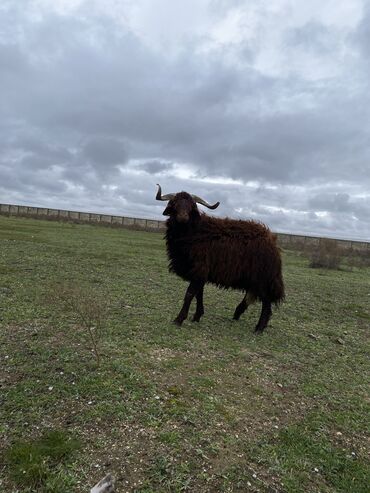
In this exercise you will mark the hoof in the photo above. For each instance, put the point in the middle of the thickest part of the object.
(177, 322)
(259, 330)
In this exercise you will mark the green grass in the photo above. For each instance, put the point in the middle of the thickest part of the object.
(209, 407)
(306, 449)
(39, 464)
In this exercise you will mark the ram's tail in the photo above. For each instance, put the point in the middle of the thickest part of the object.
(277, 289)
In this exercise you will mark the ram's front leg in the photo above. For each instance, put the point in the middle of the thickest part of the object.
(200, 307)
(192, 291)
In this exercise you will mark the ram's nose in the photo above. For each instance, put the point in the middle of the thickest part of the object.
(182, 218)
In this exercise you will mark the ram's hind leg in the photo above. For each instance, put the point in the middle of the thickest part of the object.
(265, 316)
(192, 291)
(248, 299)
(200, 308)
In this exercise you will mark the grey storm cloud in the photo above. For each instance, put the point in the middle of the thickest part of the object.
(361, 37)
(338, 202)
(95, 111)
(155, 166)
(105, 151)
(312, 36)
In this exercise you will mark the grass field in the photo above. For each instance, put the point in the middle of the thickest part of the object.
(210, 407)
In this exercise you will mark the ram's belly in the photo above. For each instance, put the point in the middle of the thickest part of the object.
(228, 281)
(227, 265)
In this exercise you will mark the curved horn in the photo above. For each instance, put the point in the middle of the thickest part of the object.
(203, 202)
(159, 195)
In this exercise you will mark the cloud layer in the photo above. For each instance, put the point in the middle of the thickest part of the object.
(262, 106)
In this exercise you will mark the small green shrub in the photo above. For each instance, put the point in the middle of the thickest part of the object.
(88, 306)
(358, 258)
(327, 255)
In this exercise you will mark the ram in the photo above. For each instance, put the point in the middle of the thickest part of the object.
(236, 254)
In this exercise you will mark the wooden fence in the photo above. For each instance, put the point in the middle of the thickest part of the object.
(285, 240)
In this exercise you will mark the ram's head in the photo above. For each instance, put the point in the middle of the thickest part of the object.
(182, 206)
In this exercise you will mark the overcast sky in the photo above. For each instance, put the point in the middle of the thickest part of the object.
(262, 105)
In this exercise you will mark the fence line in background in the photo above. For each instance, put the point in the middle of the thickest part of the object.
(84, 217)
(284, 239)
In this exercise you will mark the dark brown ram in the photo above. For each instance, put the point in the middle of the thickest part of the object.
(229, 253)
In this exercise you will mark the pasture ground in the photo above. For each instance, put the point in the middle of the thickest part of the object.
(210, 407)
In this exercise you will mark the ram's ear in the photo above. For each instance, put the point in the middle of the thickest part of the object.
(167, 211)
